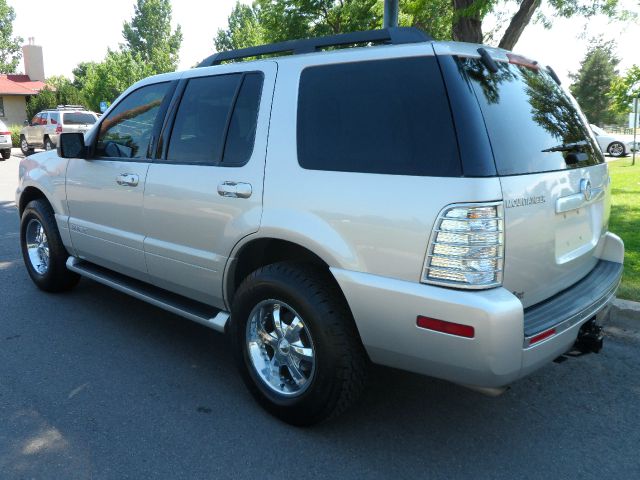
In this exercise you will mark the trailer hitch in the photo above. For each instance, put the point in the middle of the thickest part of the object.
(590, 339)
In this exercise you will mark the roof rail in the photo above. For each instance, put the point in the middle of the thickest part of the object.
(74, 107)
(393, 36)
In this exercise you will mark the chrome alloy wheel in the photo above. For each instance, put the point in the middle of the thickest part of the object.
(37, 246)
(616, 149)
(280, 348)
(24, 145)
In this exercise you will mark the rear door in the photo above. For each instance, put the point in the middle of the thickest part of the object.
(554, 180)
(105, 192)
(204, 193)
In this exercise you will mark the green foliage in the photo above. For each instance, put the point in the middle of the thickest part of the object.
(593, 80)
(267, 21)
(148, 35)
(15, 135)
(58, 91)
(105, 81)
(45, 99)
(619, 93)
(10, 52)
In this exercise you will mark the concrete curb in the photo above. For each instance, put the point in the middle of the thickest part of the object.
(625, 314)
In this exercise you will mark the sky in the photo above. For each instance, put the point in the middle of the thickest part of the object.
(73, 31)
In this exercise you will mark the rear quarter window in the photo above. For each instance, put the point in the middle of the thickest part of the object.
(382, 116)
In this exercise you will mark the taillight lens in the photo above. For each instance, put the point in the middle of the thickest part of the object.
(59, 129)
(5, 133)
(467, 247)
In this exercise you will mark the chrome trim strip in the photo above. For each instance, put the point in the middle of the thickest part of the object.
(577, 200)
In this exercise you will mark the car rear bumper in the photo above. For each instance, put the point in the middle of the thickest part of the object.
(5, 145)
(386, 310)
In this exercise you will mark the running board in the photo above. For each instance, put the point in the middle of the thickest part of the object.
(198, 312)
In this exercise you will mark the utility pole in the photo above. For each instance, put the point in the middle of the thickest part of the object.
(390, 14)
(634, 92)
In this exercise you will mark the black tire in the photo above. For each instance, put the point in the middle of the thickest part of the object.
(24, 146)
(340, 359)
(6, 154)
(56, 277)
(616, 149)
(48, 144)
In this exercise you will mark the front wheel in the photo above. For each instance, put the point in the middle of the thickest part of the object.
(42, 250)
(24, 146)
(296, 344)
(615, 149)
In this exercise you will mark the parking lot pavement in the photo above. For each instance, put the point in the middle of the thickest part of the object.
(96, 385)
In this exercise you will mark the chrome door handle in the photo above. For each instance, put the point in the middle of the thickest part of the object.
(129, 179)
(234, 189)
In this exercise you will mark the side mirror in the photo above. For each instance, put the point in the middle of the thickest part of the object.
(26, 123)
(71, 145)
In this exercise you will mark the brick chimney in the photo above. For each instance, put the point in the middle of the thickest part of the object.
(33, 60)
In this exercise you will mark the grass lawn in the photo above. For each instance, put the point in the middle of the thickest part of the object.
(625, 221)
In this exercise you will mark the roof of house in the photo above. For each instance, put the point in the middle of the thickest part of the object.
(19, 85)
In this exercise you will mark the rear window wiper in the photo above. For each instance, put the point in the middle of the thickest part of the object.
(567, 147)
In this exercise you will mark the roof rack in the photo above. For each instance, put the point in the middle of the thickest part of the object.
(66, 107)
(393, 36)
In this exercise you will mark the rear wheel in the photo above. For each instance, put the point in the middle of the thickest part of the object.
(42, 250)
(24, 146)
(48, 144)
(616, 149)
(6, 154)
(296, 344)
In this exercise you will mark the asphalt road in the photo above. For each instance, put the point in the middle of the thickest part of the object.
(95, 385)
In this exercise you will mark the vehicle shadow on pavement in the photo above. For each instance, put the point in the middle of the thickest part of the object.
(95, 381)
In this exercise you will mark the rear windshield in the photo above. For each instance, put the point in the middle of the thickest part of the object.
(79, 119)
(381, 116)
(533, 125)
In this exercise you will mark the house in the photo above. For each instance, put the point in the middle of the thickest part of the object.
(15, 89)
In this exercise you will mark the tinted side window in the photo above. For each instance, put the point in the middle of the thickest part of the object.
(54, 118)
(383, 116)
(79, 118)
(242, 128)
(199, 129)
(127, 130)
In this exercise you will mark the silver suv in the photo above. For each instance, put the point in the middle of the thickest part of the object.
(45, 127)
(437, 207)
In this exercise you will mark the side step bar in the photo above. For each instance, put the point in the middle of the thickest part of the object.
(187, 308)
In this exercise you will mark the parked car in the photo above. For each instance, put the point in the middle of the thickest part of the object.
(44, 129)
(5, 141)
(437, 207)
(614, 145)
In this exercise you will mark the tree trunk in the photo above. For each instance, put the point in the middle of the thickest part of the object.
(518, 23)
(466, 28)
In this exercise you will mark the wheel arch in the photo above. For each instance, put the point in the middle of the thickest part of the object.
(259, 252)
(29, 194)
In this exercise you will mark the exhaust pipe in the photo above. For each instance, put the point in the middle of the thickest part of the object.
(590, 338)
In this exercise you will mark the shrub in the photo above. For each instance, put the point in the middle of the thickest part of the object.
(15, 135)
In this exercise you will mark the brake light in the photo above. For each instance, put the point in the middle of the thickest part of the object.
(523, 61)
(451, 328)
(59, 129)
(5, 133)
(467, 247)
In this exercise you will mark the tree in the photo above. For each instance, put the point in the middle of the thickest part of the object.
(105, 81)
(276, 20)
(149, 35)
(620, 88)
(46, 98)
(10, 52)
(593, 81)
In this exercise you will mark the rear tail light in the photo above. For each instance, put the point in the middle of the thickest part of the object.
(5, 133)
(467, 247)
(59, 129)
